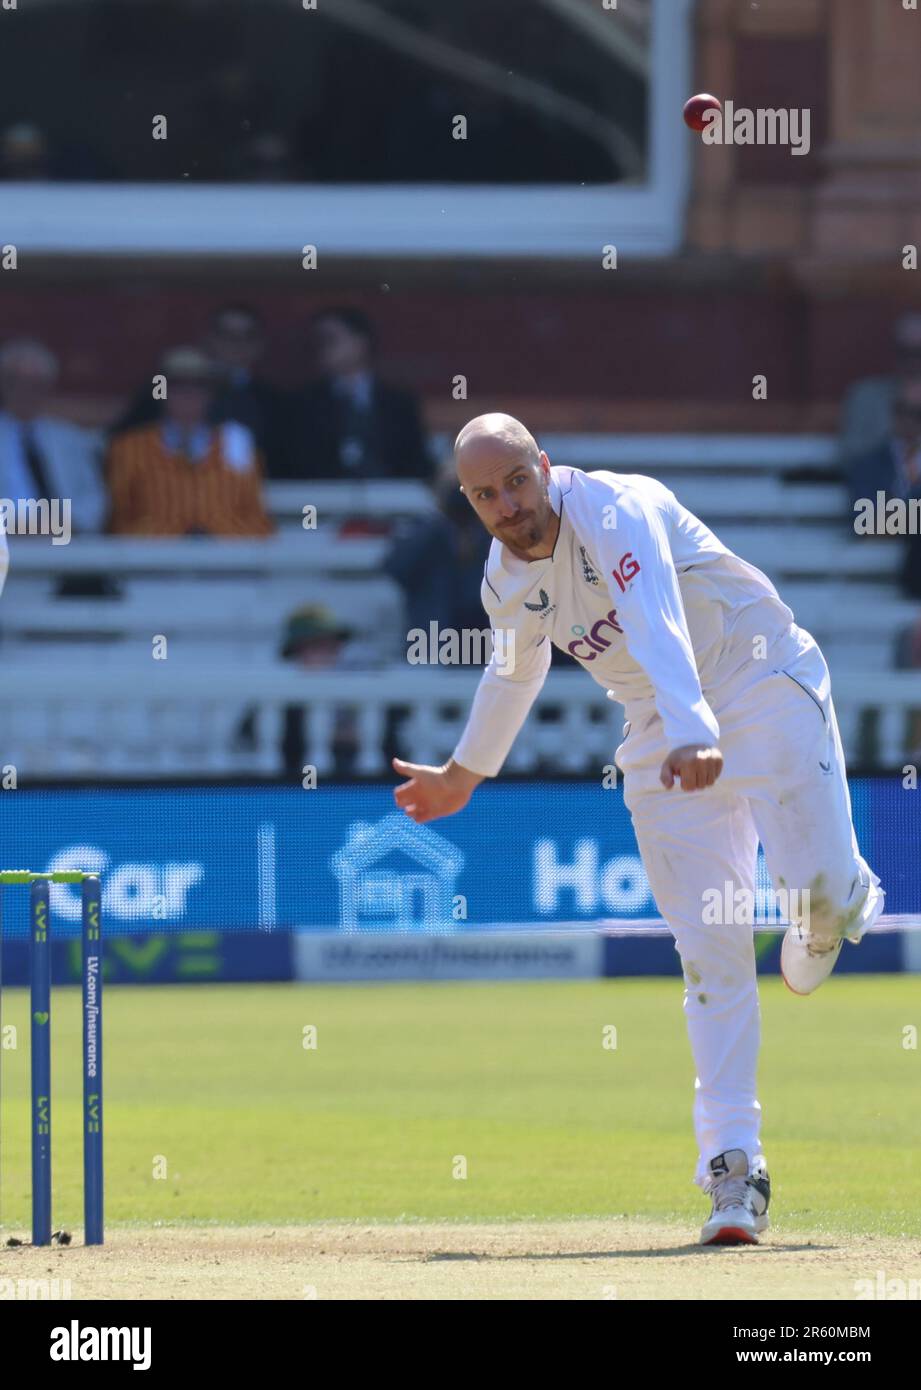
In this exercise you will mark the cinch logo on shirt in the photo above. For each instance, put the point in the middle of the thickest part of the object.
(593, 639)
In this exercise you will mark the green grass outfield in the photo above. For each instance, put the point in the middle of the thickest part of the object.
(214, 1083)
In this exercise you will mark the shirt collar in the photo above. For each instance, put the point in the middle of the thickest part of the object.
(358, 387)
(198, 442)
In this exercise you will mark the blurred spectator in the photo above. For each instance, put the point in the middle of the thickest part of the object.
(313, 637)
(41, 457)
(184, 475)
(267, 159)
(235, 342)
(24, 156)
(895, 469)
(349, 424)
(235, 96)
(893, 466)
(315, 641)
(438, 562)
(867, 411)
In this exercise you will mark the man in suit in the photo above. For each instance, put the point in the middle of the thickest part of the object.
(350, 424)
(236, 345)
(41, 457)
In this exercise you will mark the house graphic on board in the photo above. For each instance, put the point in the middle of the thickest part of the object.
(396, 875)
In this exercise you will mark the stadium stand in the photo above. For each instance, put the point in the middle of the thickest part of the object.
(222, 606)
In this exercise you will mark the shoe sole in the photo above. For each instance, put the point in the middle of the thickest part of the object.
(731, 1235)
(804, 993)
(800, 994)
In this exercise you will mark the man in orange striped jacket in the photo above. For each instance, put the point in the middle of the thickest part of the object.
(182, 475)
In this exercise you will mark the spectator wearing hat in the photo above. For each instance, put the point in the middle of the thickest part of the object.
(314, 637)
(314, 640)
(235, 342)
(349, 423)
(183, 475)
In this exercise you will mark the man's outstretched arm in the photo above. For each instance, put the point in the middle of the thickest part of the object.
(507, 690)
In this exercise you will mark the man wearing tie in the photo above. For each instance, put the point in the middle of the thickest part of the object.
(349, 423)
(41, 457)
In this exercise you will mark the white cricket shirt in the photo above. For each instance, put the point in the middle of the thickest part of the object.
(640, 592)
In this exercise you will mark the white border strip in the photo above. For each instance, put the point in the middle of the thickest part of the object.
(397, 220)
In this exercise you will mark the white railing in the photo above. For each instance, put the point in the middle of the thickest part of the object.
(295, 549)
(101, 720)
(770, 544)
(701, 453)
(890, 700)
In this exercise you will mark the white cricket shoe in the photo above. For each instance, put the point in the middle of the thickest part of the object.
(807, 960)
(740, 1195)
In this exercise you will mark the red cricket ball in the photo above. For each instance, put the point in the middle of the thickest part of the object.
(695, 109)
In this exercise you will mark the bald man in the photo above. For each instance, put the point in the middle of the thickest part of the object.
(730, 737)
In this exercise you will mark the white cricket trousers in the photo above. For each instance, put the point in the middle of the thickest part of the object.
(783, 783)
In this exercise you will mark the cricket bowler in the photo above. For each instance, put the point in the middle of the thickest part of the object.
(730, 738)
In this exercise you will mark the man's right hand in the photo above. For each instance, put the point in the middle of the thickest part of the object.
(696, 765)
(433, 791)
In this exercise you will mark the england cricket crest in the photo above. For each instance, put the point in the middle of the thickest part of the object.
(589, 573)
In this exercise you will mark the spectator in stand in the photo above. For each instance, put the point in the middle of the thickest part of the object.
(184, 475)
(235, 342)
(894, 468)
(267, 158)
(314, 640)
(867, 413)
(24, 154)
(438, 562)
(349, 424)
(41, 457)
